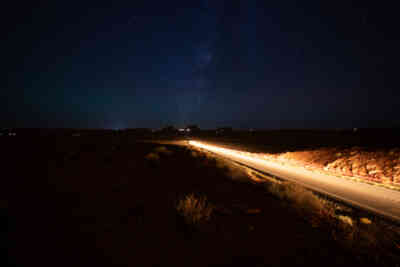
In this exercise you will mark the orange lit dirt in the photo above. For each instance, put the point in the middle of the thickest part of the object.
(379, 165)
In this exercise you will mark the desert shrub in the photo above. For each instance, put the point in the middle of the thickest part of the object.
(152, 156)
(346, 220)
(221, 165)
(276, 189)
(195, 210)
(194, 154)
(304, 198)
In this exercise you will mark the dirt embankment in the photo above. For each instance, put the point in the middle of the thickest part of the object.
(380, 166)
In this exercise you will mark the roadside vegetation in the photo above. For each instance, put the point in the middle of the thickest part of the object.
(158, 152)
(195, 209)
(114, 200)
(366, 235)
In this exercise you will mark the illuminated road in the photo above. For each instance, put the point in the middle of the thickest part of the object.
(374, 198)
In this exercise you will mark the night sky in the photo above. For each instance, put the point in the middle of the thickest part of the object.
(245, 64)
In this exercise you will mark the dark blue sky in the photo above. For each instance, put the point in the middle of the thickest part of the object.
(246, 64)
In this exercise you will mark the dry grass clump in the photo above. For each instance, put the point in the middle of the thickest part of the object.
(195, 210)
(233, 170)
(155, 155)
(303, 198)
(276, 189)
(152, 156)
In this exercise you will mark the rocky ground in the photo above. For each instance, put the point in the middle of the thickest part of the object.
(380, 166)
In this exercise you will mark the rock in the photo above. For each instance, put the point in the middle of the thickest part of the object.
(386, 179)
(347, 171)
(356, 164)
(339, 161)
(396, 179)
(371, 166)
(365, 221)
(374, 172)
(362, 171)
(355, 170)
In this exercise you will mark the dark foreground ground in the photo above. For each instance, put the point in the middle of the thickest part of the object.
(98, 201)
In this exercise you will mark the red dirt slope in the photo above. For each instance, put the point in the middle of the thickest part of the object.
(380, 166)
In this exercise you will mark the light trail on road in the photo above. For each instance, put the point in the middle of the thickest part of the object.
(377, 199)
